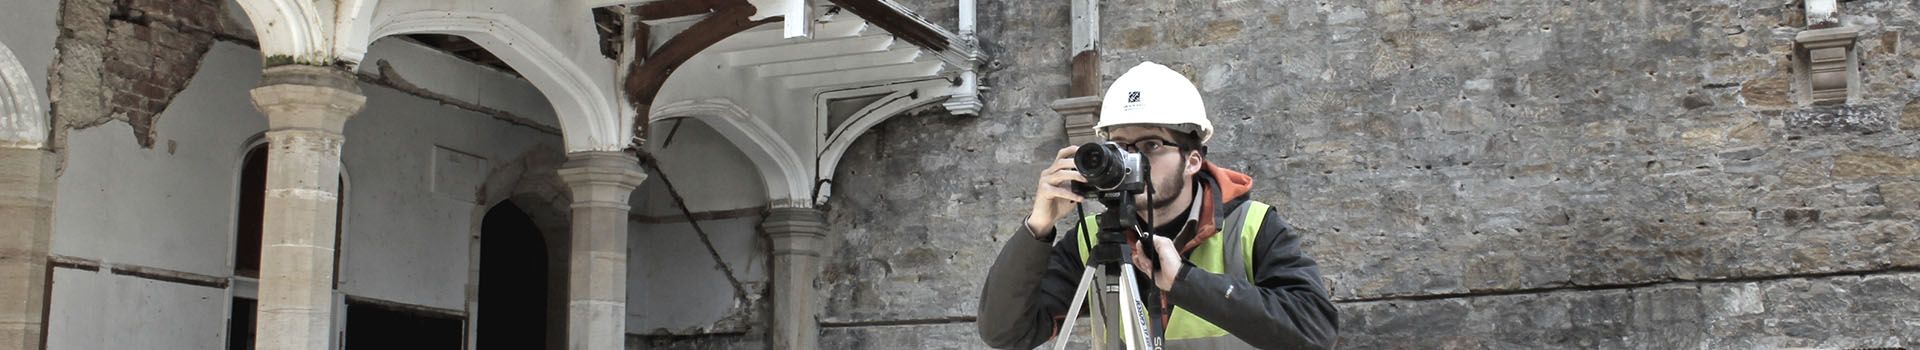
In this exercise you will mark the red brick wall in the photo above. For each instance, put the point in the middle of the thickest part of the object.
(126, 59)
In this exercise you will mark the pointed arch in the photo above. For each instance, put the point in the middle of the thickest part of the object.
(23, 120)
(927, 93)
(589, 118)
(780, 166)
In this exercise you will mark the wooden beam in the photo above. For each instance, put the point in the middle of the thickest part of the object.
(673, 8)
(1086, 74)
(645, 77)
(902, 25)
(643, 39)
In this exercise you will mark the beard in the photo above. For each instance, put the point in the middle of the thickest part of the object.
(1166, 190)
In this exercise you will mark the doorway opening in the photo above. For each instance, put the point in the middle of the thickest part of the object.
(513, 294)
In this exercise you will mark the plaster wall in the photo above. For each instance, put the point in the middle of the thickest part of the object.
(414, 168)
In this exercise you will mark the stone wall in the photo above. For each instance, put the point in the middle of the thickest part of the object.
(1470, 174)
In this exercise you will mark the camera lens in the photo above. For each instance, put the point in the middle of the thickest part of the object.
(1100, 163)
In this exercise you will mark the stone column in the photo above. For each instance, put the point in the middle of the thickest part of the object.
(597, 259)
(26, 228)
(307, 108)
(799, 238)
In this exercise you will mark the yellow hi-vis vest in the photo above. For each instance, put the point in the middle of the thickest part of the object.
(1212, 255)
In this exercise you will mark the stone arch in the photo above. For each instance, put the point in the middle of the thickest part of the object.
(531, 181)
(588, 116)
(356, 21)
(23, 120)
(780, 166)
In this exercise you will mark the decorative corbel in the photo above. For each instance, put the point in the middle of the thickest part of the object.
(1829, 64)
(1078, 115)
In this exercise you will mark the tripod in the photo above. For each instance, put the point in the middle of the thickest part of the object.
(1110, 266)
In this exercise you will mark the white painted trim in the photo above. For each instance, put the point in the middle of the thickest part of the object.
(23, 121)
(588, 115)
(780, 166)
(350, 39)
(930, 92)
(293, 28)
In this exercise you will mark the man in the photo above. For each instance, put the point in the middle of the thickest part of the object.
(1229, 267)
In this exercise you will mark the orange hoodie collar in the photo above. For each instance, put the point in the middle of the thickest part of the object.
(1231, 185)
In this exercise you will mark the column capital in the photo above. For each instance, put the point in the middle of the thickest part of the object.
(799, 231)
(308, 97)
(602, 178)
(1078, 115)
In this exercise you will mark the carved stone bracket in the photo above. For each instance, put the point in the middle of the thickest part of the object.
(1078, 115)
(1830, 66)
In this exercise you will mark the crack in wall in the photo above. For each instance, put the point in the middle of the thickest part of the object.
(653, 164)
(389, 77)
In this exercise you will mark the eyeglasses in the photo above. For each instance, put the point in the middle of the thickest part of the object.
(1146, 146)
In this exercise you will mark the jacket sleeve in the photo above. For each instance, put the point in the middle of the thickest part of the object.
(1028, 290)
(1285, 308)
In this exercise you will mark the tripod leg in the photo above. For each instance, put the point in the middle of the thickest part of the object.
(1073, 310)
(1139, 333)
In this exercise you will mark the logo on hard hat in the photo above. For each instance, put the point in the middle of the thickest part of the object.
(1133, 97)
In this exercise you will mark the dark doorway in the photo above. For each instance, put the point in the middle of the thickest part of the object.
(513, 281)
(240, 326)
(373, 326)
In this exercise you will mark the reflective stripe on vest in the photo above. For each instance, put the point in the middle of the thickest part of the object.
(1208, 256)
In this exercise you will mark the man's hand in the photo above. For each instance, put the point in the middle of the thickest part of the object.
(1169, 266)
(1055, 195)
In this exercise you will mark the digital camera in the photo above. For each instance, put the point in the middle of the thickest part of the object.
(1108, 169)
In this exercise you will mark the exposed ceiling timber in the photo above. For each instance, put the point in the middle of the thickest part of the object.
(901, 23)
(807, 50)
(678, 8)
(644, 80)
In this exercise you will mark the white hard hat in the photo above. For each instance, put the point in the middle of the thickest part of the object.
(1153, 94)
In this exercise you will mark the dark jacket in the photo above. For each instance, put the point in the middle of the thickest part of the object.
(1030, 285)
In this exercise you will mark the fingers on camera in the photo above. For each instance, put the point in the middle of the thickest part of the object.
(1067, 152)
(1064, 194)
(1062, 177)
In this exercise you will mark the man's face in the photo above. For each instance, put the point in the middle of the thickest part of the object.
(1171, 171)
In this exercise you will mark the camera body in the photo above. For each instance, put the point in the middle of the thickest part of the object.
(1109, 169)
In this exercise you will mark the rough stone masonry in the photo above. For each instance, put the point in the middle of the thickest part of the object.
(1470, 173)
